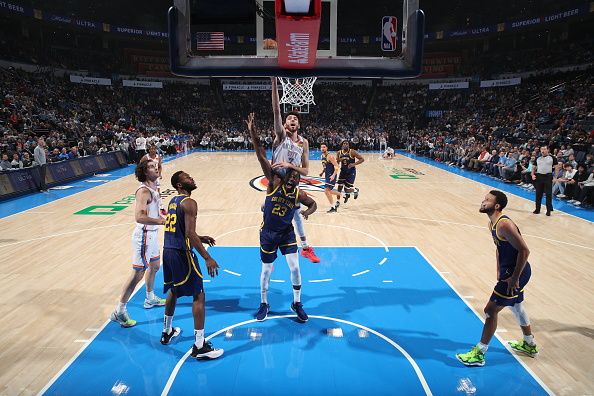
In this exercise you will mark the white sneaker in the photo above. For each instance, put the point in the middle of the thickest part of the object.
(577, 203)
(560, 195)
(154, 302)
(572, 201)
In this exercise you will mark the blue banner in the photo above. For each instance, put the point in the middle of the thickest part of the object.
(20, 181)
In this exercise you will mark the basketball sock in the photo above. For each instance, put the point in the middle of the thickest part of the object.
(304, 242)
(121, 307)
(150, 295)
(482, 347)
(199, 338)
(530, 339)
(167, 323)
(296, 293)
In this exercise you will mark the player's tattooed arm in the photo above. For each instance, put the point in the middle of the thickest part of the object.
(309, 202)
(359, 157)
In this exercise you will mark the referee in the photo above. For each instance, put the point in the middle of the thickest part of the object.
(542, 174)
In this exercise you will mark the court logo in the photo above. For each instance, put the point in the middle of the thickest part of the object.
(260, 183)
(402, 174)
(414, 171)
(117, 206)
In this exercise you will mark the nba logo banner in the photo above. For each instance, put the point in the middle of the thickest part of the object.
(389, 25)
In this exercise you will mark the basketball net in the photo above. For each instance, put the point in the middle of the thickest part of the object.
(298, 91)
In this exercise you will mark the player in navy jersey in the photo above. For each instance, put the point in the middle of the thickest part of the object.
(513, 273)
(181, 272)
(282, 201)
(329, 170)
(291, 151)
(348, 159)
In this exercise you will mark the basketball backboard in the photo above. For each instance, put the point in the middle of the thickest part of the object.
(351, 36)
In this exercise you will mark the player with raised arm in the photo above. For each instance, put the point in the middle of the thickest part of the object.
(283, 198)
(290, 151)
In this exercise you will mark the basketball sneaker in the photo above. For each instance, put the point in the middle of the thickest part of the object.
(123, 319)
(262, 313)
(206, 352)
(346, 197)
(166, 338)
(336, 205)
(154, 302)
(331, 210)
(474, 357)
(298, 309)
(308, 253)
(524, 347)
(356, 193)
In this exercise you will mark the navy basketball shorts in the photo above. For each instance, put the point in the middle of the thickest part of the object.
(500, 296)
(347, 177)
(181, 272)
(271, 241)
(329, 184)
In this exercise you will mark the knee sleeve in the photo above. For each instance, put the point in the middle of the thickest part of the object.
(520, 314)
(293, 262)
(299, 224)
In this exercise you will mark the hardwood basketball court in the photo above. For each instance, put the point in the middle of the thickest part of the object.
(62, 272)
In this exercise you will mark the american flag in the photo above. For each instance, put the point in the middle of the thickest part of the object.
(210, 41)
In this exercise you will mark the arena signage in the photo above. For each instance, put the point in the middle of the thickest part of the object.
(106, 27)
(247, 87)
(90, 80)
(451, 85)
(501, 83)
(142, 84)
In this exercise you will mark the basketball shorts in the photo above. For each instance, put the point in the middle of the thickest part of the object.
(500, 296)
(330, 184)
(271, 241)
(145, 248)
(181, 272)
(347, 177)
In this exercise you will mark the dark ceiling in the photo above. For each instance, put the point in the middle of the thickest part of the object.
(441, 14)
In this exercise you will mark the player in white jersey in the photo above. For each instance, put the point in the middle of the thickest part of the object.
(290, 151)
(145, 243)
(154, 156)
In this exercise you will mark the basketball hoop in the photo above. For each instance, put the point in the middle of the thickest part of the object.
(298, 91)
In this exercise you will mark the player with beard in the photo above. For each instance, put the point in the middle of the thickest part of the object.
(181, 273)
(348, 159)
(291, 151)
(513, 273)
(283, 199)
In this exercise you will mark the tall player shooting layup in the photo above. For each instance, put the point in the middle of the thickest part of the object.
(290, 151)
